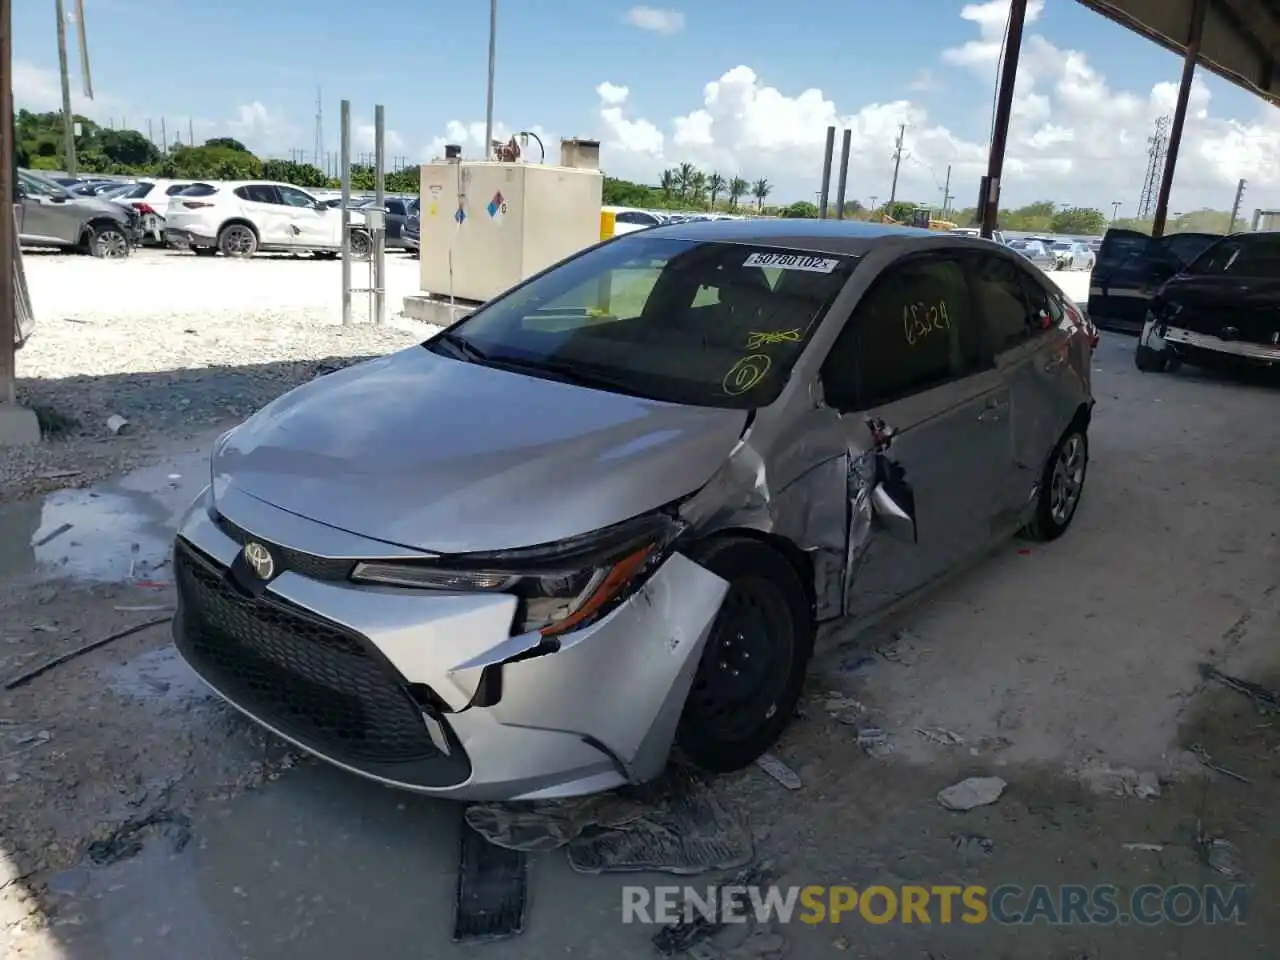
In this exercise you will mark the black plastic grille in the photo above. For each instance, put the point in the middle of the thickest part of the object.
(306, 564)
(308, 678)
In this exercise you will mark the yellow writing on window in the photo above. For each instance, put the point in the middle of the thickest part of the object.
(758, 339)
(920, 319)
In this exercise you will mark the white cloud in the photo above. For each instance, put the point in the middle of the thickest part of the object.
(924, 82)
(364, 135)
(655, 19)
(470, 137)
(1073, 138)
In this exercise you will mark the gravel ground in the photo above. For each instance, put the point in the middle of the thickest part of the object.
(177, 346)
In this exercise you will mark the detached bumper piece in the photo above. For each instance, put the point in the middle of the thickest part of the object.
(311, 680)
(1243, 349)
(492, 889)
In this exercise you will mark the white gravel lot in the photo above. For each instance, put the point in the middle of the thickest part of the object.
(177, 345)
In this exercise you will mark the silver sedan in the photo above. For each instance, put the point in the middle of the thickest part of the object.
(604, 515)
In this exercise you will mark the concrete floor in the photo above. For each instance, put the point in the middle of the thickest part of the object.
(1046, 659)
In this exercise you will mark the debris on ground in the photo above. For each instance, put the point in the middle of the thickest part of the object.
(844, 709)
(940, 735)
(970, 793)
(779, 771)
(674, 825)
(1208, 762)
(1143, 847)
(1266, 701)
(904, 648)
(1121, 782)
(116, 424)
(28, 675)
(125, 840)
(874, 742)
(854, 664)
(971, 845)
(1224, 857)
(52, 535)
(695, 928)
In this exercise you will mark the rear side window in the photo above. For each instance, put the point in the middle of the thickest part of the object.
(176, 188)
(396, 207)
(257, 193)
(197, 190)
(139, 191)
(912, 331)
(1187, 246)
(1253, 257)
(1000, 300)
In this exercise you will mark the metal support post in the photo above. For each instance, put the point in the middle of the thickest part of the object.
(828, 150)
(493, 60)
(846, 143)
(379, 236)
(8, 225)
(989, 211)
(345, 148)
(68, 118)
(1194, 31)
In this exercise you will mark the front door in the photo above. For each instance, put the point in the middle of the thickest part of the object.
(911, 368)
(47, 216)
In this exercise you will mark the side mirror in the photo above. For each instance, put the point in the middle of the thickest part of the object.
(894, 511)
(60, 197)
(321, 206)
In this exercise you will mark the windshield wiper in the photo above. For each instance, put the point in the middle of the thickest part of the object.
(572, 373)
(463, 347)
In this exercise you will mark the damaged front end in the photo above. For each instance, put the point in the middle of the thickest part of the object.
(550, 671)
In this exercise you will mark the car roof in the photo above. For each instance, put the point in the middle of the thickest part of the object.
(853, 237)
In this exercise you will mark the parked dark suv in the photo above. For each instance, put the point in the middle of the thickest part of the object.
(1130, 267)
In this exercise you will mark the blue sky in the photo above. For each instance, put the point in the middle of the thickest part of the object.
(254, 68)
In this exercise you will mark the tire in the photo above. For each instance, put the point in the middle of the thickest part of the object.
(1068, 463)
(729, 720)
(204, 251)
(1148, 360)
(361, 245)
(238, 240)
(326, 254)
(108, 242)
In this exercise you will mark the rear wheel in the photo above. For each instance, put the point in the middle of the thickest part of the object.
(204, 251)
(361, 244)
(1148, 360)
(1061, 486)
(237, 240)
(108, 241)
(752, 669)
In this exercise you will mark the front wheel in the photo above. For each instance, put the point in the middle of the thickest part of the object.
(1061, 486)
(1150, 361)
(203, 251)
(361, 244)
(752, 669)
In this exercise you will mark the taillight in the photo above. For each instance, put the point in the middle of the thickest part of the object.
(144, 208)
(195, 204)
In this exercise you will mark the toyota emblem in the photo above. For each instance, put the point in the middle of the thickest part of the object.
(258, 558)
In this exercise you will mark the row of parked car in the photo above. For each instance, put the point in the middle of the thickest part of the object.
(108, 218)
(1047, 253)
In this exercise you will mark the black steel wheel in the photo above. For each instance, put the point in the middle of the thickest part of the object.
(752, 669)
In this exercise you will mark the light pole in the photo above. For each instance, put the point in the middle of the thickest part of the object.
(493, 56)
(1115, 209)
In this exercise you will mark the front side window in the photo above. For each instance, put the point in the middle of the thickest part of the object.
(35, 186)
(913, 330)
(678, 320)
(1250, 257)
(292, 197)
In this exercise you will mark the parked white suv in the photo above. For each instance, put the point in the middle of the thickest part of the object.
(241, 217)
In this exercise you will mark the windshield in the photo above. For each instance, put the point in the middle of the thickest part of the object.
(705, 324)
(1062, 246)
(1253, 256)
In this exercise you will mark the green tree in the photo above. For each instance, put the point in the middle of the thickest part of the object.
(761, 190)
(738, 187)
(1078, 220)
(800, 210)
(299, 174)
(715, 187)
(229, 142)
(210, 163)
(684, 179)
(668, 184)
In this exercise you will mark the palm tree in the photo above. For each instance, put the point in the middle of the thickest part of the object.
(698, 186)
(715, 187)
(737, 189)
(668, 184)
(761, 189)
(684, 178)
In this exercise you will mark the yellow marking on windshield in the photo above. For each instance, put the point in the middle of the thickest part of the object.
(746, 374)
(758, 339)
(919, 320)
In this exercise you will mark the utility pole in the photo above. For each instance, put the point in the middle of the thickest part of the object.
(319, 144)
(8, 228)
(1115, 209)
(164, 138)
(68, 120)
(946, 192)
(150, 133)
(493, 58)
(1235, 207)
(191, 132)
(897, 163)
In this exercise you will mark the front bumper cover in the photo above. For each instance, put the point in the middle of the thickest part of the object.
(387, 683)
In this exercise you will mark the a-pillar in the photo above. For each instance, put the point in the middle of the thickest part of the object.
(989, 198)
(1194, 30)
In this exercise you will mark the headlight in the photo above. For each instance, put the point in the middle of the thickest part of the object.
(562, 586)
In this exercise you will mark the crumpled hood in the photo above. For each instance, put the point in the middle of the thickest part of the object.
(450, 457)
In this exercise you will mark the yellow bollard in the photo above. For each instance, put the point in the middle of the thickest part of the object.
(608, 224)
